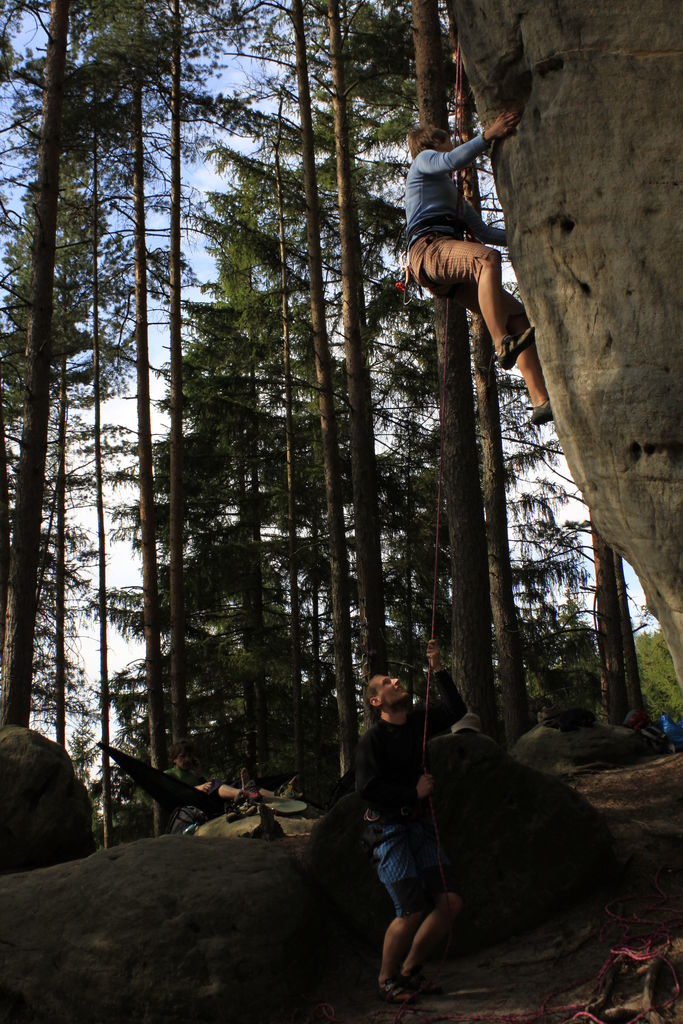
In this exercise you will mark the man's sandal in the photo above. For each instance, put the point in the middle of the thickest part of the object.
(393, 991)
(513, 345)
(416, 982)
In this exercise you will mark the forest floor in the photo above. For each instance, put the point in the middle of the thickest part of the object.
(610, 958)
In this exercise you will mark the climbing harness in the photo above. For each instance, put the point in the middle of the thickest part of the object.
(403, 283)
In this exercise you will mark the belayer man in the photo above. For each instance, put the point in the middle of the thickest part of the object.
(447, 265)
(416, 873)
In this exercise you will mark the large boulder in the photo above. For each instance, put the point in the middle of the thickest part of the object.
(550, 750)
(45, 813)
(522, 843)
(588, 185)
(158, 931)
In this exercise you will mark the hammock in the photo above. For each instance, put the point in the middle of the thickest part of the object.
(168, 791)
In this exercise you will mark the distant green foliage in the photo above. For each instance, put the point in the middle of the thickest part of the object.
(562, 660)
(657, 677)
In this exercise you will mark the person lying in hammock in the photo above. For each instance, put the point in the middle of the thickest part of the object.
(468, 272)
(187, 769)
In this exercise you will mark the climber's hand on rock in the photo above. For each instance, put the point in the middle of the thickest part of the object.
(503, 126)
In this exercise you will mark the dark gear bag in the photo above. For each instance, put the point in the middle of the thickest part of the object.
(183, 818)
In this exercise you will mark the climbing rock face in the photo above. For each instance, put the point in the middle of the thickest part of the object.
(45, 814)
(159, 931)
(590, 193)
(522, 843)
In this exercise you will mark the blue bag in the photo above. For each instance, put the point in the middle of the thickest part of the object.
(673, 731)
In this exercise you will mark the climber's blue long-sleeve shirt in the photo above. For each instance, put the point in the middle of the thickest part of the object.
(431, 192)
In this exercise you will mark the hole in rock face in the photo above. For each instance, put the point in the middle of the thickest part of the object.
(553, 63)
(635, 450)
(585, 288)
(567, 225)
(650, 449)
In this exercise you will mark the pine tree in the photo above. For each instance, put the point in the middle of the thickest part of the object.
(471, 607)
(21, 608)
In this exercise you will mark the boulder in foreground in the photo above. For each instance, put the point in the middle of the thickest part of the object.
(522, 843)
(45, 813)
(159, 931)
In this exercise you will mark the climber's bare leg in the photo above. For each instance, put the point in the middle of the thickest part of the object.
(529, 365)
(516, 321)
(491, 297)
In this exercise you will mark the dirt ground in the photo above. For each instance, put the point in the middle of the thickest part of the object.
(610, 958)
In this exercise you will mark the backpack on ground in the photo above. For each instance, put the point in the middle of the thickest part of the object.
(186, 819)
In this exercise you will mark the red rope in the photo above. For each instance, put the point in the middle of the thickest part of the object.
(429, 666)
(438, 528)
(457, 131)
(459, 119)
(644, 937)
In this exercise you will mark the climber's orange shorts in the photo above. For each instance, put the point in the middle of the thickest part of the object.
(447, 266)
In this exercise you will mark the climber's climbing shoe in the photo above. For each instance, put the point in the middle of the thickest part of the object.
(513, 345)
(415, 981)
(541, 414)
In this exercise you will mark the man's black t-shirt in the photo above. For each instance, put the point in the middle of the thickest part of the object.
(389, 757)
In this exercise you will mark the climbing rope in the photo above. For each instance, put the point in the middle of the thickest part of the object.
(365, 650)
(433, 631)
(458, 122)
(643, 940)
(438, 525)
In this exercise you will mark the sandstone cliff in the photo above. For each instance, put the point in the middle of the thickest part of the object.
(592, 206)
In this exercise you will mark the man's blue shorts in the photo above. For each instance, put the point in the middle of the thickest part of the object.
(408, 865)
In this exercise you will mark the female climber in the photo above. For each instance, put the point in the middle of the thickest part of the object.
(468, 272)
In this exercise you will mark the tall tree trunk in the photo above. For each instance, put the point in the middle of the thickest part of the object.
(429, 65)
(293, 540)
(257, 629)
(614, 699)
(15, 706)
(107, 819)
(409, 643)
(471, 604)
(150, 586)
(339, 572)
(363, 463)
(250, 728)
(316, 674)
(60, 566)
(176, 502)
(635, 693)
(505, 621)
(4, 521)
